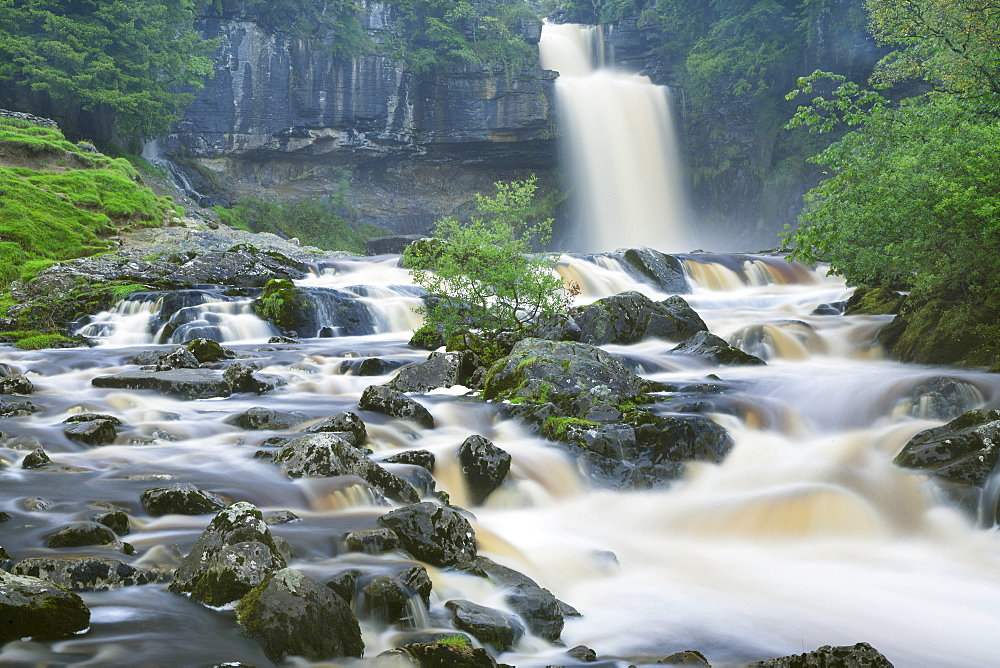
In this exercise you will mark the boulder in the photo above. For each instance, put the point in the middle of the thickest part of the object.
(208, 351)
(115, 520)
(182, 383)
(454, 652)
(34, 608)
(87, 573)
(435, 534)
(393, 244)
(631, 317)
(16, 408)
(372, 541)
(330, 454)
(386, 600)
(943, 398)
(259, 418)
(569, 375)
(540, 610)
(422, 458)
(440, 370)
(487, 625)
(16, 384)
(687, 658)
(418, 581)
(92, 432)
(242, 266)
(233, 555)
(664, 272)
(182, 498)
(484, 465)
(292, 614)
(874, 301)
(82, 533)
(861, 655)
(371, 366)
(242, 378)
(178, 358)
(966, 450)
(715, 349)
(344, 423)
(343, 584)
(382, 399)
(35, 459)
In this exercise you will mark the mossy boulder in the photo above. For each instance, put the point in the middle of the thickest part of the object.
(207, 351)
(874, 301)
(943, 331)
(35, 608)
(233, 555)
(631, 317)
(87, 573)
(291, 614)
(487, 625)
(435, 534)
(453, 652)
(82, 533)
(287, 306)
(180, 499)
(861, 655)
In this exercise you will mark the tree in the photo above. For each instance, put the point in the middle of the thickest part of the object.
(137, 59)
(482, 275)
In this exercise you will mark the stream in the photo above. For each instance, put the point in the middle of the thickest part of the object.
(805, 535)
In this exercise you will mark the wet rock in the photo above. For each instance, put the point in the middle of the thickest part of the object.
(180, 499)
(715, 349)
(34, 608)
(688, 658)
(440, 370)
(372, 366)
(836, 308)
(87, 573)
(861, 655)
(259, 418)
(16, 408)
(182, 383)
(178, 358)
(82, 533)
(372, 541)
(280, 517)
(664, 272)
(540, 610)
(582, 653)
(943, 398)
(346, 422)
(233, 555)
(418, 477)
(386, 600)
(330, 454)
(35, 459)
(965, 450)
(487, 625)
(435, 534)
(208, 351)
(455, 652)
(92, 432)
(242, 378)
(292, 614)
(421, 458)
(631, 317)
(36, 505)
(484, 465)
(382, 399)
(344, 584)
(242, 266)
(16, 384)
(559, 327)
(563, 374)
(427, 338)
(418, 581)
(115, 520)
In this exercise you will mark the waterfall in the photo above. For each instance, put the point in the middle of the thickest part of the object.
(151, 153)
(619, 147)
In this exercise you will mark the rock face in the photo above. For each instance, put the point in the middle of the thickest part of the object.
(32, 607)
(292, 614)
(282, 108)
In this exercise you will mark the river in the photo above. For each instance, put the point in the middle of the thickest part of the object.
(805, 535)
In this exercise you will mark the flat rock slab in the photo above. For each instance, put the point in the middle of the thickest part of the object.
(183, 383)
(87, 573)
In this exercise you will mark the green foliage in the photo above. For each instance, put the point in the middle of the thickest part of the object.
(40, 341)
(339, 21)
(315, 221)
(130, 58)
(59, 215)
(483, 276)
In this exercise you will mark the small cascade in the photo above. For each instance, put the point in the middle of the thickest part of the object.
(151, 152)
(734, 272)
(178, 316)
(619, 147)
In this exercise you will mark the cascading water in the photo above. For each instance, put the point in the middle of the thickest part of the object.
(619, 147)
(806, 534)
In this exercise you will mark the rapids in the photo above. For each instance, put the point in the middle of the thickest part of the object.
(805, 535)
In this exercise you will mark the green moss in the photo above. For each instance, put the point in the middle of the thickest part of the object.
(457, 640)
(557, 428)
(938, 331)
(280, 303)
(39, 341)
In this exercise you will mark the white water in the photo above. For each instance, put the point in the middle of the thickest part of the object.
(805, 535)
(619, 145)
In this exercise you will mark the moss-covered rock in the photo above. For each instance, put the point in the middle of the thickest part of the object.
(293, 615)
(208, 351)
(34, 608)
(180, 499)
(487, 625)
(941, 331)
(453, 652)
(81, 533)
(861, 655)
(285, 305)
(874, 301)
(87, 573)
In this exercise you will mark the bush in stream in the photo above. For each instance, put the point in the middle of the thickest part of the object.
(483, 276)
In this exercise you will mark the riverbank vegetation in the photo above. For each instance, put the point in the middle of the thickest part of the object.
(912, 196)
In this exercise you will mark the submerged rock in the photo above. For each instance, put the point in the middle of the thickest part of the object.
(259, 418)
(87, 573)
(232, 556)
(34, 608)
(484, 465)
(861, 655)
(432, 533)
(82, 533)
(382, 399)
(292, 614)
